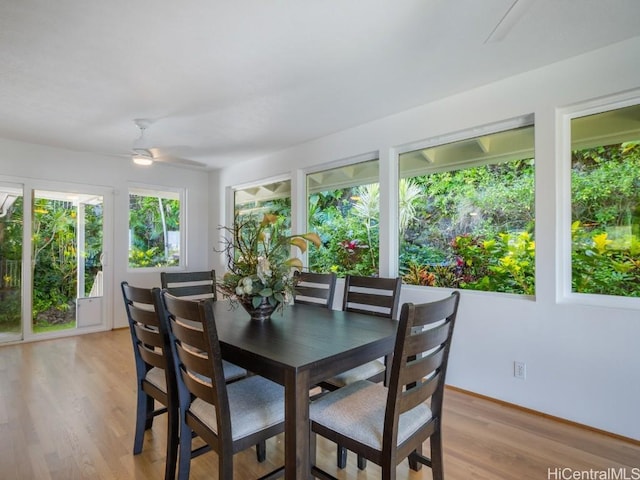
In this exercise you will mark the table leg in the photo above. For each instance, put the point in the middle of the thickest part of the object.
(296, 426)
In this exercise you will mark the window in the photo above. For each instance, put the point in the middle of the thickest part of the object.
(155, 227)
(605, 203)
(274, 198)
(343, 209)
(466, 213)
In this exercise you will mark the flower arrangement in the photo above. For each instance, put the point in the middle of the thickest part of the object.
(260, 264)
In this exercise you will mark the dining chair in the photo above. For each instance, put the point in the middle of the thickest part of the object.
(388, 424)
(154, 372)
(195, 285)
(372, 296)
(315, 288)
(229, 417)
(198, 286)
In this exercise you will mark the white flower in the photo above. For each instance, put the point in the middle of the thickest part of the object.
(247, 289)
(246, 282)
(239, 290)
(264, 269)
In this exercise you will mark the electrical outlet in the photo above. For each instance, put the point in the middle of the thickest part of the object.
(520, 370)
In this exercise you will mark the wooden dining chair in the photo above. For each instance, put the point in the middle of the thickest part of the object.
(194, 285)
(199, 286)
(229, 417)
(154, 372)
(315, 288)
(389, 424)
(372, 296)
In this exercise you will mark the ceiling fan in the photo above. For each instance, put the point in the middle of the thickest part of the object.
(144, 153)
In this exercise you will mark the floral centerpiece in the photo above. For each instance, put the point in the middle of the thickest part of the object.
(259, 263)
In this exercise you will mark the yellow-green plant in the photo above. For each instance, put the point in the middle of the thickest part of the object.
(259, 260)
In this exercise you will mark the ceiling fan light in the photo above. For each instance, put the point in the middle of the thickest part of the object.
(142, 160)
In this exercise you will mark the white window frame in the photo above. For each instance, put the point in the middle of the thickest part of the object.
(514, 123)
(149, 190)
(564, 115)
(300, 211)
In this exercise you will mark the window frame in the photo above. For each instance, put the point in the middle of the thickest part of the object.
(303, 195)
(182, 197)
(564, 116)
(527, 120)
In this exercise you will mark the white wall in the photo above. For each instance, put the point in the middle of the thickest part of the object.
(583, 361)
(26, 163)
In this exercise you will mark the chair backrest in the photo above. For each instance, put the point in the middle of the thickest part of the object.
(149, 336)
(195, 285)
(371, 295)
(315, 288)
(419, 363)
(197, 356)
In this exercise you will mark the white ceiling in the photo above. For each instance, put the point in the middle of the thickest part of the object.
(237, 79)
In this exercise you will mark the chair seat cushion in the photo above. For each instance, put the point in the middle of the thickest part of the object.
(357, 411)
(363, 372)
(232, 371)
(156, 376)
(255, 404)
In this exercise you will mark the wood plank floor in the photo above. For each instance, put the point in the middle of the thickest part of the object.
(67, 410)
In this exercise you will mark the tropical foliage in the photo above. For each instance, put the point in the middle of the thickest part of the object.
(151, 220)
(473, 228)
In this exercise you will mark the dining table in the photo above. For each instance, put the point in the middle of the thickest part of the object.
(298, 347)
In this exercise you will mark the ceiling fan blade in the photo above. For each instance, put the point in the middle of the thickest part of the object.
(159, 156)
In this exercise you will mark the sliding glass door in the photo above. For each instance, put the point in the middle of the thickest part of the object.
(11, 232)
(67, 249)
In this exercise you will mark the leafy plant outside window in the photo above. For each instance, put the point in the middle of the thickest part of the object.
(154, 226)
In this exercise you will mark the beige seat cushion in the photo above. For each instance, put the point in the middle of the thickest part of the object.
(255, 404)
(357, 411)
(363, 372)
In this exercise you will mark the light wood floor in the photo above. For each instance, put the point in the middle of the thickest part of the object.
(67, 410)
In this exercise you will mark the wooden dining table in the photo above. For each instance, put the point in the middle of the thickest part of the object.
(297, 348)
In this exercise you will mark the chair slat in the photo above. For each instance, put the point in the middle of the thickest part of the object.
(153, 357)
(315, 288)
(189, 335)
(198, 388)
(369, 299)
(417, 369)
(372, 295)
(198, 285)
(197, 363)
(144, 316)
(427, 339)
(147, 336)
(412, 397)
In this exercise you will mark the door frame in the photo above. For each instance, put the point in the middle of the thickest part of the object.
(29, 186)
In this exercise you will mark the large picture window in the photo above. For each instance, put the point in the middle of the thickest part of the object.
(155, 228)
(466, 213)
(605, 203)
(343, 209)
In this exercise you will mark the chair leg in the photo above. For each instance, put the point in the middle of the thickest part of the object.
(312, 448)
(341, 456)
(413, 463)
(362, 462)
(225, 466)
(261, 451)
(184, 457)
(172, 444)
(149, 412)
(141, 421)
(437, 463)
